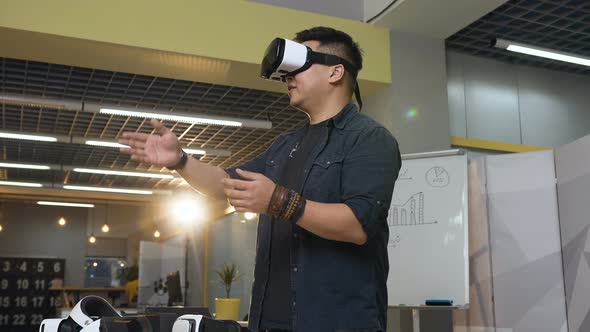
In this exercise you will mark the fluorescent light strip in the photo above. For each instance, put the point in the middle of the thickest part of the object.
(110, 190)
(171, 117)
(106, 144)
(65, 204)
(549, 55)
(124, 173)
(25, 166)
(541, 52)
(20, 184)
(194, 151)
(28, 137)
(117, 145)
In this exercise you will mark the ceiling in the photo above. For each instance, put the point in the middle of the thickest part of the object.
(34, 79)
(562, 25)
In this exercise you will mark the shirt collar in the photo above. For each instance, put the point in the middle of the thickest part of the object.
(340, 119)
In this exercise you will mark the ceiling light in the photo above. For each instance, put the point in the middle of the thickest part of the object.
(124, 173)
(92, 239)
(106, 144)
(25, 166)
(157, 234)
(110, 190)
(62, 221)
(249, 215)
(541, 52)
(105, 228)
(172, 117)
(65, 204)
(20, 184)
(112, 144)
(194, 151)
(28, 137)
(1, 228)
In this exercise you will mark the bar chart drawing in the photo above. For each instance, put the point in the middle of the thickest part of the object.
(411, 213)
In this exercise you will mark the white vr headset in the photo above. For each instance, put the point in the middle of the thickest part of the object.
(284, 57)
(95, 314)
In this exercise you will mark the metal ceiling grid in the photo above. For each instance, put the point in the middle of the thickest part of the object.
(561, 25)
(128, 91)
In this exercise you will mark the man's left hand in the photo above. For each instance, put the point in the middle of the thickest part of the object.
(252, 194)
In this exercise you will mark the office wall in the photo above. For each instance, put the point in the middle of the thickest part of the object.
(31, 230)
(414, 107)
(498, 101)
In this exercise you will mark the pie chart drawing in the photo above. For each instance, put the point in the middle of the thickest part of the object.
(437, 177)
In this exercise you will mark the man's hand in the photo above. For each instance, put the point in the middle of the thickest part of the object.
(159, 150)
(252, 194)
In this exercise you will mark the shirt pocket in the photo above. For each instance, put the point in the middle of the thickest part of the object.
(324, 181)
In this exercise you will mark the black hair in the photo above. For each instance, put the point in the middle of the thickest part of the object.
(335, 42)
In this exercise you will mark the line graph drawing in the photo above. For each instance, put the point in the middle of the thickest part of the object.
(411, 213)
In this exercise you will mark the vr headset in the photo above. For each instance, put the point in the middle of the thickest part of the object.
(284, 57)
(95, 314)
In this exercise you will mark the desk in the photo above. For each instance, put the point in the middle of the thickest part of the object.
(71, 295)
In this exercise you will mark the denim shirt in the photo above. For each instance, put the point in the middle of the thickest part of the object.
(335, 286)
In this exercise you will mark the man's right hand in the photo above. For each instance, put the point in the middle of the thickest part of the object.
(161, 149)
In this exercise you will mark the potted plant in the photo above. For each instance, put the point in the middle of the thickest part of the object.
(227, 308)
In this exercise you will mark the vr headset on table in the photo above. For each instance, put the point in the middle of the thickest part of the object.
(95, 314)
(284, 57)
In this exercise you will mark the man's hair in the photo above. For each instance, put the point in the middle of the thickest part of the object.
(335, 42)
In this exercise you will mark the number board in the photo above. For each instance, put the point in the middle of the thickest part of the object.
(25, 298)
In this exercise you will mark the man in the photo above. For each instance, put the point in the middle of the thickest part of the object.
(323, 193)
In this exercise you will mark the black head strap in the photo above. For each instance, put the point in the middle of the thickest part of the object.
(330, 60)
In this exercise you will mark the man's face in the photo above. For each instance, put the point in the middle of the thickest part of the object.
(308, 86)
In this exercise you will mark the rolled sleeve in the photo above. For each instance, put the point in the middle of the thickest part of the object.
(369, 173)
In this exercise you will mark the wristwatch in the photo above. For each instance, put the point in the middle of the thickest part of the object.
(181, 163)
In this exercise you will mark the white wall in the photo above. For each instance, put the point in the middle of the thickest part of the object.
(498, 101)
(419, 82)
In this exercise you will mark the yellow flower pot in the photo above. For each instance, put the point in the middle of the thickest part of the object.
(227, 309)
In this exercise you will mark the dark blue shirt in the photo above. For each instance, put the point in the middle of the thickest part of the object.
(335, 286)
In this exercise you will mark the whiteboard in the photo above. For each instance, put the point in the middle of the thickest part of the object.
(428, 247)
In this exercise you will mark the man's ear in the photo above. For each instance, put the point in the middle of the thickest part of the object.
(336, 73)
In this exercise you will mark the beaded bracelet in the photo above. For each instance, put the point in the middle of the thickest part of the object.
(286, 204)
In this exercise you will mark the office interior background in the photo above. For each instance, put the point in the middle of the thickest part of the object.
(70, 70)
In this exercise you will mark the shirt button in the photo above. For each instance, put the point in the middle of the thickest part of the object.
(295, 235)
(328, 162)
(294, 303)
(378, 202)
(295, 269)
